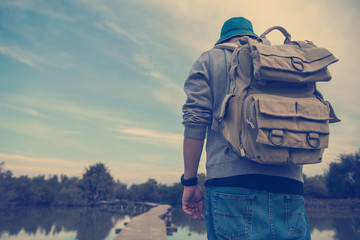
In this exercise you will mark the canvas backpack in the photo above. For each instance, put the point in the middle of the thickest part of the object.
(273, 113)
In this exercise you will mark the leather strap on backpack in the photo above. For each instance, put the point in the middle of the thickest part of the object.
(281, 29)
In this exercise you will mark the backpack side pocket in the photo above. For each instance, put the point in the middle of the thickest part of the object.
(279, 130)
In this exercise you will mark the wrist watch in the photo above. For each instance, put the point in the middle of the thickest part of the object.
(188, 182)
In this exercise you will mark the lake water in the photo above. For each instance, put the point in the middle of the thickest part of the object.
(342, 226)
(40, 223)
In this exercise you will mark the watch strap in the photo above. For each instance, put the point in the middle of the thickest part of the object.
(188, 182)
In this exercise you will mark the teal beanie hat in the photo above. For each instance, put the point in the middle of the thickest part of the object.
(236, 26)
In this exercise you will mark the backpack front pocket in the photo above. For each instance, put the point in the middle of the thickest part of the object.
(279, 130)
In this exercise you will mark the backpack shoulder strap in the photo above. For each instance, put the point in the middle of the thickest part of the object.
(229, 46)
(239, 80)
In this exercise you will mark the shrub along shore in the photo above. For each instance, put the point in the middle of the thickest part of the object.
(336, 190)
(333, 207)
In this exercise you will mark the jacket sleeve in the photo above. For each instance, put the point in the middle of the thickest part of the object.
(197, 110)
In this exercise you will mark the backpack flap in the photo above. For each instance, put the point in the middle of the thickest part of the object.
(295, 62)
(296, 129)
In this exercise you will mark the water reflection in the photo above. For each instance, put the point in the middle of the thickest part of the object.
(94, 224)
(342, 226)
(186, 228)
(87, 223)
(329, 226)
(181, 220)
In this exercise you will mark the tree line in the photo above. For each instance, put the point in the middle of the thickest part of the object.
(95, 185)
(342, 180)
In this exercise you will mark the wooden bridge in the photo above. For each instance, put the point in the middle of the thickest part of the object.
(148, 226)
(149, 220)
(126, 207)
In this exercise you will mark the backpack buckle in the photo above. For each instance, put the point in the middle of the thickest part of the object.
(277, 134)
(313, 137)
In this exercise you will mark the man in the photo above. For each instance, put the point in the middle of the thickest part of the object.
(244, 199)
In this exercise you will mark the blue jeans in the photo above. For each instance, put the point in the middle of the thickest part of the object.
(238, 213)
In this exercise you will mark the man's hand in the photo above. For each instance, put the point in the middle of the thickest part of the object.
(193, 202)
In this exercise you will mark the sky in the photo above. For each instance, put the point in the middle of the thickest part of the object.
(88, 81)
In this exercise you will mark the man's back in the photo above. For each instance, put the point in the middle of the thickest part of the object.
(244, 199)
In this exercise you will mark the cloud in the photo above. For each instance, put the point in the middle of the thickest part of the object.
(39, 6)
(110, 120)
(38, 60)
(71, 109)
(25, 165)
(121, 32)
(149, 166)
(33, 44)
(44, 161)
(41, 130)
(22, 109)
(49, 128)
(150, 136)
(21, 55)
(166, 90)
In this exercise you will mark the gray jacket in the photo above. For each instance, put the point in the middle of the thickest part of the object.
(206, 87)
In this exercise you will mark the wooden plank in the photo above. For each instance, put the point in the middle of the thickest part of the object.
(148, 225)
